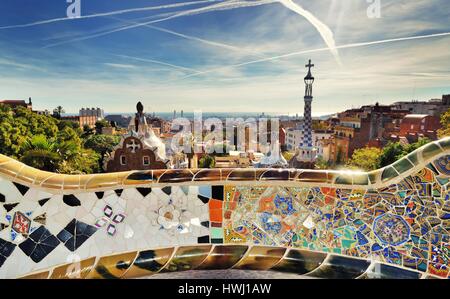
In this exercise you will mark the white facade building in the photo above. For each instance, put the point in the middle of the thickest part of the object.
(294, 136)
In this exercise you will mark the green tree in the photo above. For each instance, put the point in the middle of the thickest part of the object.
(41, 153)
(67, 123)
(287, 155)
(101, 144)
(44, 142)
(394, 151)
(58, 111)
(413, 146)
(444, 131)
(99, 125)
(59, 156)
(321, 163)
(84, 161)
(367, 158)
(87, 131)
(391, 153)
(206, 161)
(19, 125)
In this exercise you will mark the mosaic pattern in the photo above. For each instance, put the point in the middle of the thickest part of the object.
(42, 230)
(406, 224)
(390, 229)
(318, 223)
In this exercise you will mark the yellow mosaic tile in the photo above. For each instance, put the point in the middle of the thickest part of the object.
(114, 266)
(4, 159)
(187, 258)
(11, 168)
(74, 270)
(71, 182)
(40, 275)
(149, 262)
(261, 258)
(53, 182)
(223, 257)
(27, 174)
(99, 181)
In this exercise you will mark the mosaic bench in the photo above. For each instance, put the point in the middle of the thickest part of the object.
(390, 223)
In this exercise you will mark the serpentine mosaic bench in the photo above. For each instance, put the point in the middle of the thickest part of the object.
(390, 223)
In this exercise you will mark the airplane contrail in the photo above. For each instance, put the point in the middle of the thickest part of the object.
(353, 45)
(201, 40)
(208, 42)
(324, 30)
(232, 4)
(159, 62)
(117, 12)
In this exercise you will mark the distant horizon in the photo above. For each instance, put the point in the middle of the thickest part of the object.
(290, 114)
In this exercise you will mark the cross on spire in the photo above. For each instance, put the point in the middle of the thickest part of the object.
(309, 66)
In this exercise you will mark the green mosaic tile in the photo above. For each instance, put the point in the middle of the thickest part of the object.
(403, 165)
(430, 150)
(216, 233)
(388, 173)
(445, 144)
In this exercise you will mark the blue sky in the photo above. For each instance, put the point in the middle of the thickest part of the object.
(222, 55)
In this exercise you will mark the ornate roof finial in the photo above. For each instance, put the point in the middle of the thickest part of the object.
(139, 115)
(140, 107)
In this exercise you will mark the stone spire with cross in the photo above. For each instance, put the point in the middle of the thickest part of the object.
(307, 119)
(306, 153)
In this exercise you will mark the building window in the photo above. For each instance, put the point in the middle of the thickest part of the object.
(146, 160)
(123, 160)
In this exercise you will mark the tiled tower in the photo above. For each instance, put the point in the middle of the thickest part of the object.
(306, 141)
(306, 153)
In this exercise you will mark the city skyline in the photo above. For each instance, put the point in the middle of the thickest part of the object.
(222, 56)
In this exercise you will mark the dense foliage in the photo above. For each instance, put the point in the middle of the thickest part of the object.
(371, 158)
(206, 161)
(393, 151)
(367, 158)
(445, 123)
(47, 143)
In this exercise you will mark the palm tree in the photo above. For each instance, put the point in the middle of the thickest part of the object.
(58, 111)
